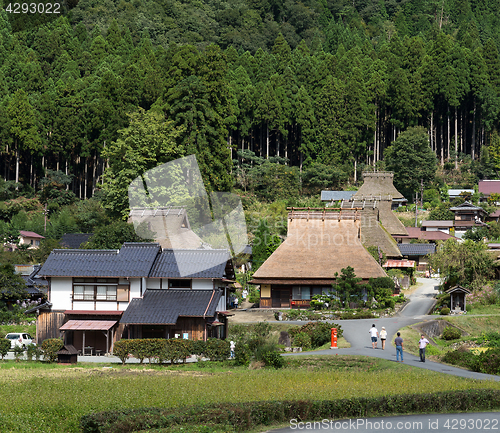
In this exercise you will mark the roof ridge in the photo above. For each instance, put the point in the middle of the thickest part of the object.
(80, 250)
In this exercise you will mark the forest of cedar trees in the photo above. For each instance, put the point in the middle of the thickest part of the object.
(278, 98)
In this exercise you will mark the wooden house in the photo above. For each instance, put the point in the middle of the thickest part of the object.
(488, 187)
(89, 290)
(319, 244)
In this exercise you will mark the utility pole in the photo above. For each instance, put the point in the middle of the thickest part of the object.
(416, 208)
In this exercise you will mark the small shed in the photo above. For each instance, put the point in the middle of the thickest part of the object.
(68, 354)
(457, 298)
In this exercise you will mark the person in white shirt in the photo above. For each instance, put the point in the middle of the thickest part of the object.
(422, 344)
(374, 334)
(383, 337)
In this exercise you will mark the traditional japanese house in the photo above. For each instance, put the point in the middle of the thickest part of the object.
(319, 244)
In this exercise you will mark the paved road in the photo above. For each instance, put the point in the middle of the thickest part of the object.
(473, 422)
(421, 301)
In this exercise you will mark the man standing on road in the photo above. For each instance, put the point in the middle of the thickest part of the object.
(399, 347)
(374, 334)
(422, 343)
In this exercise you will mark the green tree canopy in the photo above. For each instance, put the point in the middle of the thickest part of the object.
(412, 160)
(468, 263)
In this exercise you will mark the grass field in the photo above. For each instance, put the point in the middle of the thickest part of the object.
(51, 398)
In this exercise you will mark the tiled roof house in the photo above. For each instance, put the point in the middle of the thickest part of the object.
(100, 285)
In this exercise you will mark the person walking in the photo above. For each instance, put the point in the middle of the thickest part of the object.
(383, 337)
(422, 344)
(374, 334)
(398, 341)
(232, 347)
(236, 302)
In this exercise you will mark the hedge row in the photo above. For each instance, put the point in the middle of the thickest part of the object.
(248, 415)
(174, 350)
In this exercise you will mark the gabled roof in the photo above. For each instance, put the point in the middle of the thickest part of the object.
(170, 226)
(336, 195)
(428, 235)
(417, 249)
(29, 234)
(74, 240)
(316, 249)
(191, 264)
(443, 223)
(134, 259)
(466, 206)
(163, 307)
(488, 187)
(457, 192)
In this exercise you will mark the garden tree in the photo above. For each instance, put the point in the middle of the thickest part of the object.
(317, 177)
(53, 192)
(412, 161)
(466, 263)
(442, 213)
(12, 286)
(9, 234)
(346, 287)
(112, 236)
(148, 141)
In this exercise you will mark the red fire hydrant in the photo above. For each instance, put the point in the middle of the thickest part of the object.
(334, 338)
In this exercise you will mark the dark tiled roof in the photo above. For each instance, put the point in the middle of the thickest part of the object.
(466, 206)
(74, 240)
(417, 249)
(163, 307)
(190, 264)
(134, 259)
(336, 195)
(39, 307)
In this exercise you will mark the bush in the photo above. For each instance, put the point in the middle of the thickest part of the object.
(460, 357)
(273, 359)
(302, 340)
(121, 349)
(451, 333)
(50, 347)
(174, 350)
(249, 415)
(217, 350)
(4, 347)
(18, 351)
(241, 354)
(444, 311)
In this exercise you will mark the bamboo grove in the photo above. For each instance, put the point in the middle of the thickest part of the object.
(330, 82)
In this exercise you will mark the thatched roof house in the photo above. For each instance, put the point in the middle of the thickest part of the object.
(319, 244)
(170, 226)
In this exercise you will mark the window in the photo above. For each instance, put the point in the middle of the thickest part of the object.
(301, 293)
(179, 284)
(96, 289)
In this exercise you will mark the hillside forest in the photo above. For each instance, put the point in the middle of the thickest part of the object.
(278, 100)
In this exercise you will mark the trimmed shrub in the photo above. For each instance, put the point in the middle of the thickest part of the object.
(176, 349)
(248, 415)
(4, 347)
(217, 350)
(50, 347)
(121, 349)
(18, 352)
(444, 311)
(451, 333)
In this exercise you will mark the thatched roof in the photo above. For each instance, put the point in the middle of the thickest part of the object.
(170, 225)
(378, 184)
(374, 234)
(315, 249)
(390, 221)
